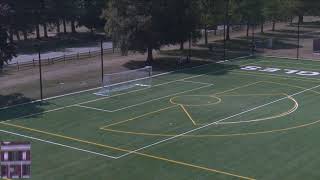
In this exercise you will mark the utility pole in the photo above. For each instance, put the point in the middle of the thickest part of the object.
(102, 64)
(40, 72)
(298, 48)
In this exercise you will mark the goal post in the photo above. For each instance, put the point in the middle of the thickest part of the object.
(126, 80)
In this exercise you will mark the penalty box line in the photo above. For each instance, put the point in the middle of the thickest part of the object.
(216, 122)
(86, 102)
(145, 102)
(156, 75)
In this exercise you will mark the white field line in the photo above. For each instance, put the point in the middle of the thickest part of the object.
(145, 102)
(216, 122)
(58, 144)
(296, 106)
(85, 102)
(79, 92)
(92, 108)
(80, 104)
(195, 82)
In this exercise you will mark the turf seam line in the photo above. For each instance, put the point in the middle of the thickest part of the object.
(215, 123)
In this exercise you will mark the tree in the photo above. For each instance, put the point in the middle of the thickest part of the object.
(305, 7)
(184, 20)
(145, 25)
(211, 12)
(91, 14)
(274, 11)
(7, 49)
(251, 12)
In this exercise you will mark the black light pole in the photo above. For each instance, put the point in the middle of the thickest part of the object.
(189, 52)
(102, 65)
(298, 48)
(226, 19)
(40, 72)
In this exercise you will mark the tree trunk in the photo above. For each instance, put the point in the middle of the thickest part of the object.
(262, 28)
(291, 19)
(1, 64)
(228, 32)
(64, 26)
(181, 45)
(58, 27)
(18, 35)
(215, 32)
(150, 55)
(73, 26)
(206, 35)
(273, 25)
(301, 18)
(25, 35)
(38, 31)
(248, 28)
(11, 35)
(45, 30)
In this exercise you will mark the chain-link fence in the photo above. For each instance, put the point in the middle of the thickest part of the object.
(68, 74)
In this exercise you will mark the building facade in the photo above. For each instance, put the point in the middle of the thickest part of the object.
(15, 160)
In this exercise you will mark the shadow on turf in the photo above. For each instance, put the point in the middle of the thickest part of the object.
(169, 64)
(21, 110)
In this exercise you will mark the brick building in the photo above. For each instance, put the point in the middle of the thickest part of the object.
(15, 160)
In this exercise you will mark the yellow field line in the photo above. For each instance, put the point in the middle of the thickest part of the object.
(201, 136)
(60, 136)
(131, 119)
(169, 82)
(160, 110)
(188, 114)
(198, 167)
(218, 135)
(127, 151)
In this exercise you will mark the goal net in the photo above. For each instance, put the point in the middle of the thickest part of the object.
(126, 80)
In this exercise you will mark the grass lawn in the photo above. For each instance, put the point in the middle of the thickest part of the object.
(250, 118)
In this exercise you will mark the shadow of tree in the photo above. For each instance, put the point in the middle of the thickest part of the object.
(15, 110)
(166, 64)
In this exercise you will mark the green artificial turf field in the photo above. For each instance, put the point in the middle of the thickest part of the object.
(250, 118)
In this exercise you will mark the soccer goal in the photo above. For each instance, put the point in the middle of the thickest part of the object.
(126, 80)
